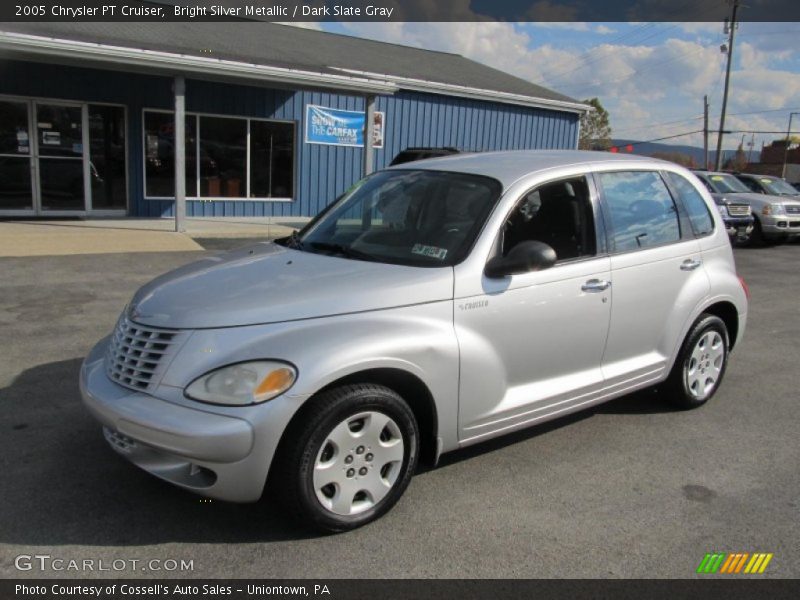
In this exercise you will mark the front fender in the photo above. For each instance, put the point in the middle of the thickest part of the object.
(418, 339)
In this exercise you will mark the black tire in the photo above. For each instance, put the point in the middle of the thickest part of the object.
(687, 385)
(292, 477)
(757, 235)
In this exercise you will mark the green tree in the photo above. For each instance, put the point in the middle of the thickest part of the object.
(595, 127)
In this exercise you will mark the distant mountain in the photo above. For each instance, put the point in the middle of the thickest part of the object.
(650, 148)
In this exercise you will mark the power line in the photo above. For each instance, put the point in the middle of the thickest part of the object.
(690, 119)
(757, 112)
(661, 139)
(651, 125)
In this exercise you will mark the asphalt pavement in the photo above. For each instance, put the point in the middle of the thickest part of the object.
(629, 489)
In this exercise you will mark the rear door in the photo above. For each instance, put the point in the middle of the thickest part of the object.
(657, 274)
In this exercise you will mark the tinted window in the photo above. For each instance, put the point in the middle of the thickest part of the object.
(558, 214)
(701, 219)
(420, 218)
(751, 184)
(642, 211)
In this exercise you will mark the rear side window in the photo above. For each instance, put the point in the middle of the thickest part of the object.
(751, 184)
(642, 211)
(701, 219)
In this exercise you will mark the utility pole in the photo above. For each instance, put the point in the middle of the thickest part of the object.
(731, 31)
(788, 143)
(705, 132)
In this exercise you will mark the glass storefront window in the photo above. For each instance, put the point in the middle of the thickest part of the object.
(219, 145)
(159, 155)
(271, 159)
(107, 156)
(223, 157)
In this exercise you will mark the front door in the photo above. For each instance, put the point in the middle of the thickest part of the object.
(16, 156)
(61, 158)
(58, 152)
(532, 344)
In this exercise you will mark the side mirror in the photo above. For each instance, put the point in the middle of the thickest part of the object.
(523, 258)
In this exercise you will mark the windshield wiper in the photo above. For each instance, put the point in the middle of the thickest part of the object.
(291, 241)
(343, 250)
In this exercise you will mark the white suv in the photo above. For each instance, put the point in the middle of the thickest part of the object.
(435, 305)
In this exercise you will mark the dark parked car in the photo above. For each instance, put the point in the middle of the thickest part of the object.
(411, 154)
(736, 211)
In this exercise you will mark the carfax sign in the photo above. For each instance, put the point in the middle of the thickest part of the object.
(340, 127)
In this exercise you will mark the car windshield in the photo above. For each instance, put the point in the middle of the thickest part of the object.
(726, 184)
(777, 187)
(409, 217)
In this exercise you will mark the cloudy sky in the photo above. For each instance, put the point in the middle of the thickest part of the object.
(650, 76)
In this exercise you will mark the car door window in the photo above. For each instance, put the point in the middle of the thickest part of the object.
(558, 214)
(699, 215)
(751, 184)
(641, 209)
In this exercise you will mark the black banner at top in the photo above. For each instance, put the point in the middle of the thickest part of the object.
(399, 10)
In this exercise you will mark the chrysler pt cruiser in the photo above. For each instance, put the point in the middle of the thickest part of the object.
(434, 305)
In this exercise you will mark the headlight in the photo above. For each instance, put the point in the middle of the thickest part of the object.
(773, 209)
(243, 383)
(723, 210)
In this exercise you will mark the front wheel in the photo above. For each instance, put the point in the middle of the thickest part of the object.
(700, 365)
(348, 458)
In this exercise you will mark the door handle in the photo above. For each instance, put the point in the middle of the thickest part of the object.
(690, 264)
(596, 285)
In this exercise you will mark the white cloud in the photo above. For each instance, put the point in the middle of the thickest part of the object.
(604, 30)
(640, 85)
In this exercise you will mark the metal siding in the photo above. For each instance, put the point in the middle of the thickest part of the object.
(322, 172)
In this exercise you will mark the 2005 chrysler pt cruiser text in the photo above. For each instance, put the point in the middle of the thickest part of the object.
(434, 305)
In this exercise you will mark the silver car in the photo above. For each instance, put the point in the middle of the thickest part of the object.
(776, 218)
(435, 305)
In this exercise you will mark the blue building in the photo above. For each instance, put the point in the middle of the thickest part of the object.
(275, 118)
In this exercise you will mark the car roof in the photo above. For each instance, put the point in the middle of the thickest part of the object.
(757, 176)
(703, 172)
(511, 165)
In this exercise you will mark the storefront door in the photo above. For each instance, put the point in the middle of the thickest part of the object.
(61, 158)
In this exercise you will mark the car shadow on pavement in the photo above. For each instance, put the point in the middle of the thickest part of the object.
(644, 402)
(64, 485)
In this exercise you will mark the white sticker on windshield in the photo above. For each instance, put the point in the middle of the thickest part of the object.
(431, 251)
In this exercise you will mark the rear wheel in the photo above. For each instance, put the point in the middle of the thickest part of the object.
(348, 458)
(700, 365)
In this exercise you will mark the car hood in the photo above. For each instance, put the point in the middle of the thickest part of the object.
(753, 198)
(727, 199)
(268, 283)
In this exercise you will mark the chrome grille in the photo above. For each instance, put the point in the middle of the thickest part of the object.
(739, 210)
(136, 354)
(792, 209)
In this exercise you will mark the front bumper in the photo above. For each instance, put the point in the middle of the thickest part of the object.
(781, 224)
(738, 226)
(216, 455)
